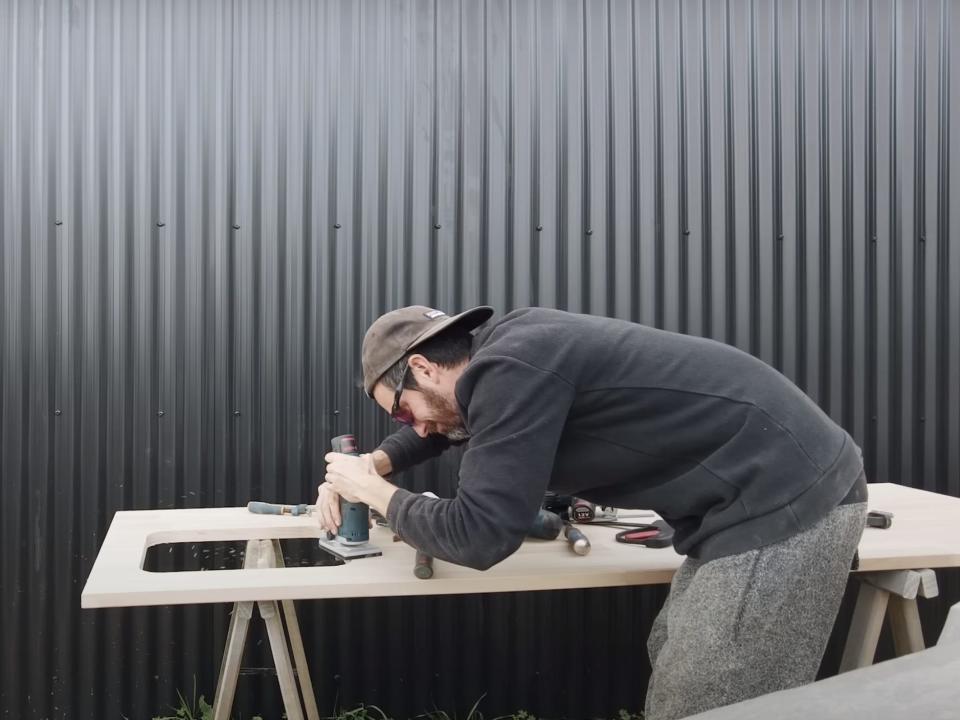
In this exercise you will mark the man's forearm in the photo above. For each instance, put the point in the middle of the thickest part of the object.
(405, 449)
(378, 495)
(381, 493)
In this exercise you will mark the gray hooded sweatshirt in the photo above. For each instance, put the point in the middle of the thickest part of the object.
(730, 452)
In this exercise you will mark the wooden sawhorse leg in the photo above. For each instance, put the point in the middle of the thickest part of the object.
(267, 554)
(891, 594)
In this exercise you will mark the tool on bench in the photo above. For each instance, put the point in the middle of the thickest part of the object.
(265, 508)
(548, 526)
(423, 566)
(570, 509)
(423, 563)
(657, 534)
(577, 540)
(352, 540)
(879, 519)
(578, 510)
(582, 511)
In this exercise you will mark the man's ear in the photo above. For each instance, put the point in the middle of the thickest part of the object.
(423, 370)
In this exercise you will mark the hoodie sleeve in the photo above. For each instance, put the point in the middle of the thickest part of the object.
(405, 448)
(515, 415)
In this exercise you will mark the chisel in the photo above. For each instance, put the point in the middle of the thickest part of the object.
(265, 508)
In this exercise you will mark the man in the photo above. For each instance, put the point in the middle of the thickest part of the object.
(766, 494)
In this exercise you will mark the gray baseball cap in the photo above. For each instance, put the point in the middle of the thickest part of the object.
(398, 332)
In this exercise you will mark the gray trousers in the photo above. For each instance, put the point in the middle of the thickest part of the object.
(749, 624)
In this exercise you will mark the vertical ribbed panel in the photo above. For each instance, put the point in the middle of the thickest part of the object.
(203, 205)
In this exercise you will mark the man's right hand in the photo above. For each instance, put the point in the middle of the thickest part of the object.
(328, 507)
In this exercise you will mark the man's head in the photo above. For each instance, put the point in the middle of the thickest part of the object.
(412, 358)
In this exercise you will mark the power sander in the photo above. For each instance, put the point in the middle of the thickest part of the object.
(352, 540)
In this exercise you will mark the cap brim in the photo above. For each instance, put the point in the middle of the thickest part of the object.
(467, 320)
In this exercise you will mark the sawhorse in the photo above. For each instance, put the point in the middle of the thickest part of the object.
(296, 697)
(892, 594)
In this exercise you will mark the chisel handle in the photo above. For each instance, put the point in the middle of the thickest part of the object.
(546, 526)
(265, 508)
(423, 566)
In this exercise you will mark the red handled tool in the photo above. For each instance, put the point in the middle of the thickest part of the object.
(657, 534)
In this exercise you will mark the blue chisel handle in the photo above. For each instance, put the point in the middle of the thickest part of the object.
(264, 508)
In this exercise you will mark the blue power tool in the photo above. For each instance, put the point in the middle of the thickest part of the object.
(354, 517)
(352, 540)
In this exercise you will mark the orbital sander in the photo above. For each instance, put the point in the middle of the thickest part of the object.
(352, 540)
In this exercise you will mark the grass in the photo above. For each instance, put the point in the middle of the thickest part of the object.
(197, 709)
(441, 715)
(361, 712)
(200, 709)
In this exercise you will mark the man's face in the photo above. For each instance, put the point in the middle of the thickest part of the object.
(427, 410)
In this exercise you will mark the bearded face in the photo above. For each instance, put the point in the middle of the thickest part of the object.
(445, 417)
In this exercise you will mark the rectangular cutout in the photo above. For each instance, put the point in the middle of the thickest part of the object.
(229, 555)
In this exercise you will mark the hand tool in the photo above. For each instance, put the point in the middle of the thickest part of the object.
(657, 534)
(879, 519)
(577, 541)
(579, 510)
(610, 523)
(423, 566)
(546, 526)
(582, 511)
(352, 540)
(265, 508)
(560, 504)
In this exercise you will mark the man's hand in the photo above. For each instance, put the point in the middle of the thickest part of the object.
(355, 479)
(328, 507)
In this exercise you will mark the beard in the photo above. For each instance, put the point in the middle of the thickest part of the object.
(457, 434)
(447, 420)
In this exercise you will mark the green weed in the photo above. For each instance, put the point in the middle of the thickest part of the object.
(361, 712)
(474, 714)
(197, 709)
(200, 709)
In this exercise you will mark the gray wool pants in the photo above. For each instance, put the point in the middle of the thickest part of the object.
(749, 624)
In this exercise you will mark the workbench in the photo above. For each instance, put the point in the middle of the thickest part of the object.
(895, 565)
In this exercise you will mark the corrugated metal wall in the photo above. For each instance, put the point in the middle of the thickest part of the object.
(205, 203)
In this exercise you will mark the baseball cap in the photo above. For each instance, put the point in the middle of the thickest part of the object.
(399, 331)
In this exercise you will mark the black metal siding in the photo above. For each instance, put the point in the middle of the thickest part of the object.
(202, 206)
